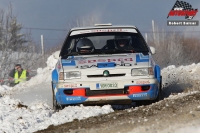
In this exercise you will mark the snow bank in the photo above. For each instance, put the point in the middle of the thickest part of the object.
(15, 117)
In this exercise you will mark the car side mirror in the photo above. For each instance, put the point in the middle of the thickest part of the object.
(153, 50)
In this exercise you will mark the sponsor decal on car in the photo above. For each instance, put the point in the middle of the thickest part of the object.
(140, 95)
(73, 98)
(105, 60)
(102, 30)
(70, 85)
(143, 82)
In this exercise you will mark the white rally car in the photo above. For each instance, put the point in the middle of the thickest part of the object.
(105, 64)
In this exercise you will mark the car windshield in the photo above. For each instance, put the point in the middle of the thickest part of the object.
(104, 43)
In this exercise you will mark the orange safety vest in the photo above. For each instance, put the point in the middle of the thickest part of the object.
(21, 78)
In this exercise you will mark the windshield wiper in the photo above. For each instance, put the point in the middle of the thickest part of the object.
(73, 53)
(114, 51)
(70, 54)
(77, 53)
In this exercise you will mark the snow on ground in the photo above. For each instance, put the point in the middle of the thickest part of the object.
(36, 95)
(39, 115)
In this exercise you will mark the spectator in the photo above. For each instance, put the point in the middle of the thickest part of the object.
(19, 75)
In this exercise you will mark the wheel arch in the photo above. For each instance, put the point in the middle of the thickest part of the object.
(157, 73)
(54, 76)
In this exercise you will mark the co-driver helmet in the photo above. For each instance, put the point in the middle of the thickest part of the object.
(84, 44)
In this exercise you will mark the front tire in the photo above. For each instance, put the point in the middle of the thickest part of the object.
(55, 103)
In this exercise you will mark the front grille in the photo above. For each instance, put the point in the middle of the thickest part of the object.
(110, 75)
(105, 92)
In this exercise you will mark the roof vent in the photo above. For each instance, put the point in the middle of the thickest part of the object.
(108, 24)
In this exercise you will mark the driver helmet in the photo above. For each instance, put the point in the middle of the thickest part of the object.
(122, 41)
(84, 45)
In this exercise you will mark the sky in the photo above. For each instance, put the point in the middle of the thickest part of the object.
(52, 18)
(36, 95)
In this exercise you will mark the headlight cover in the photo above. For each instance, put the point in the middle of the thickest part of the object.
(142, 71)
(70, 75)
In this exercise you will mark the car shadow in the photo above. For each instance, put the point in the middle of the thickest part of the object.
(174, 89)
(166, 92)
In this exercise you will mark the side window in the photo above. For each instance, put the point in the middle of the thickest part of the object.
(72, 47)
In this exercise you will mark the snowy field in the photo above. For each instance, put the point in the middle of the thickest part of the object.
(36, 95)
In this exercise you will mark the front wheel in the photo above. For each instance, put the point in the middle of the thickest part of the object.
(159, 96)
(55, 104)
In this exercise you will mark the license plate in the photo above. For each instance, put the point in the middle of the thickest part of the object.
(107, 85)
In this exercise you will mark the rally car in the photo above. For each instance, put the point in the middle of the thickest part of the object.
(105, 64)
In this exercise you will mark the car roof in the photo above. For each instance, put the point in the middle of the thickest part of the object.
(103, 27)
(99, 26)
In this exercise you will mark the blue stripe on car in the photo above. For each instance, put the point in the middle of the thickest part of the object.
(157, 72)
(63, 99)
(54, 76)
(69, 61)
(142, 58)
(106, 64)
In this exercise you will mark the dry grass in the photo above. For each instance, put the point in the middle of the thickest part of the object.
(176, 49)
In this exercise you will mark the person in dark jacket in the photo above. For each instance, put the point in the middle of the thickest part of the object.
(123, 42)
(18, 74)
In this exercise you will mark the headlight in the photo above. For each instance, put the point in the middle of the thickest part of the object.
(142, 71)
(70, 75)
(61, 76)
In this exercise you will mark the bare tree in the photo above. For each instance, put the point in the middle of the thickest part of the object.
(15, 46)
(175, 48)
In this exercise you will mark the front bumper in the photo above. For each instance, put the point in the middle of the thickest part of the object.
(86, 93)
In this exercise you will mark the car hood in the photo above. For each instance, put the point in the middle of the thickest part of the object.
(106, 61)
